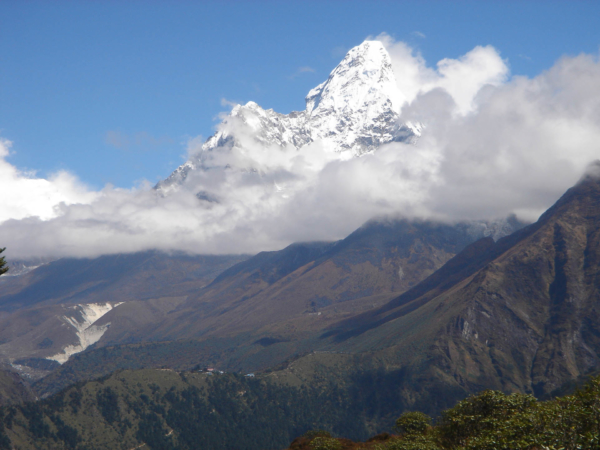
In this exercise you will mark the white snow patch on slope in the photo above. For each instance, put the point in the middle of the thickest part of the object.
(83, 321)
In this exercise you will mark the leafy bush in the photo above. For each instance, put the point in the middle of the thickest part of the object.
(490, 420)
(325, 443)
(413, 423)
(314, 433)
(416, 443)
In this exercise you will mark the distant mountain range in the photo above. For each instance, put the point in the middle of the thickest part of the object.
(513, 314)
(518, 314)
(154, 296)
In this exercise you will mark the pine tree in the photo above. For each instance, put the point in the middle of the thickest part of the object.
(3, 266)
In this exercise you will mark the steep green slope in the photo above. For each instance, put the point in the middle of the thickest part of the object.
(164, 409)
(490, 420)
(13, 389)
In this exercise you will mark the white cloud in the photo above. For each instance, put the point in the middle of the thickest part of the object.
(462, 78)
(491, 146)
(228, 103)
(25, 195)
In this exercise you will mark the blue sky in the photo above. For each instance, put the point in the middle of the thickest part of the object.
(111, 91)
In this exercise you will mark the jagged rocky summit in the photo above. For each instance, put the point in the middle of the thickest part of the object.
(355, 111)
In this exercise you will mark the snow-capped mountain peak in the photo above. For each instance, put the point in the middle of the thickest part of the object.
(357, 107)
(355, 111)
(364, 73)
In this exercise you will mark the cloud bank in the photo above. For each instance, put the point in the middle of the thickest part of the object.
(25, 195)
(493, 145)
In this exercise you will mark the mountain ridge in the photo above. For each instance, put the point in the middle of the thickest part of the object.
(524, 318)
(158, 297)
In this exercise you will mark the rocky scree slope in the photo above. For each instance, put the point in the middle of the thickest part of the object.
(41, 310)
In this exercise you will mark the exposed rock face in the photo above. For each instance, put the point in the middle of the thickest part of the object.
(356, 110)
(542, 297)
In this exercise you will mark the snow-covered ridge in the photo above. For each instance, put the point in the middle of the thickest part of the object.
(82, 319)
(353, 112)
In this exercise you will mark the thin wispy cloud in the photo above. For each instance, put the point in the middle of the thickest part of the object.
(137, 141)
(419, 34)
(228, 103)
(301, 71)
